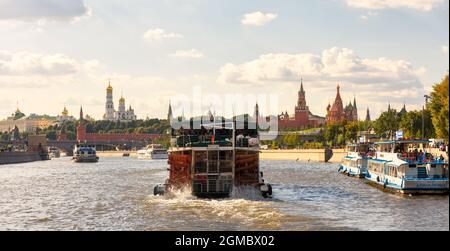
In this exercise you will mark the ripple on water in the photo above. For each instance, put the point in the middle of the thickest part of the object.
(114, 195)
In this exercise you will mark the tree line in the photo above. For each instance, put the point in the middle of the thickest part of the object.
(434, 116)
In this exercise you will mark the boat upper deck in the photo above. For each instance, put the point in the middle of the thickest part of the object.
(409, 151)
(219, 132)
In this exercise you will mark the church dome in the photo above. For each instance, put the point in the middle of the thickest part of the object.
(109, 88)
(122, 100)
(65, 112)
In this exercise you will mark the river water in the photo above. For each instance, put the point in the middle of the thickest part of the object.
(116, 194)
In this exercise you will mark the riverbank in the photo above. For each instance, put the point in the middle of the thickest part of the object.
(307, 155)
(301, 155)
(311, 155)
(18, 157)
(101, 154)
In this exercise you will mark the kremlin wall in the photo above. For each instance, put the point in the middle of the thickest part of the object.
(302, 118)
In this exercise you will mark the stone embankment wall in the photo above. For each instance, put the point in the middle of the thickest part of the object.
(302, 155)
(18, 157)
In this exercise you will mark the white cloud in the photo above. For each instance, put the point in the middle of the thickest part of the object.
(30, 10)
(258, 18)
(36, 64)
(378, 77)
(158, 34)
(421, 5)
(444, 49)
(368, 15)
(45, 83)
(187, 54)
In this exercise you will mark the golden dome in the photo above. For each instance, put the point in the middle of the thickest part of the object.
(109, 88)
(65, 112)
(122, 100)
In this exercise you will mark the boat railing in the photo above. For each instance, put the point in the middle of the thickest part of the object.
(202, 141)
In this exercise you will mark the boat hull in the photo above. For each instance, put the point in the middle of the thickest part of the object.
(353, 167)
(149, 156)
(410, 186)
(92, 159)
(354, 172)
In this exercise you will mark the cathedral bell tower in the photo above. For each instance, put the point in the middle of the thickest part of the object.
(109, 106)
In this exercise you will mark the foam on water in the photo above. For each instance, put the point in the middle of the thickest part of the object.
(245, 207)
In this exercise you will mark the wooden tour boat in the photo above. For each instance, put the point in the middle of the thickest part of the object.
(215, 159)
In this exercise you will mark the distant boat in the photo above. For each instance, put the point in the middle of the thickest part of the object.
(85, 154)
(153, 151)
(407, 167)
(354, 164)
(54, 152)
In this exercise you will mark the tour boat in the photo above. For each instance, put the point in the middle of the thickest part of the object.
(354, 164)
(215, 160)
(408, 167)
(54, 152)
(153, 151)
(85, 154)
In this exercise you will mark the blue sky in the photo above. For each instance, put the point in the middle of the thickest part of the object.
(56, 53)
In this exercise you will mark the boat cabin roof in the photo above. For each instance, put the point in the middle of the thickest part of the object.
(359, 144)
(414, 141)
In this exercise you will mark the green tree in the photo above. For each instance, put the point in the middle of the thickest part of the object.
(439, 108)
(387, 124)
(411, 124)
(331, 133)
(351, 131)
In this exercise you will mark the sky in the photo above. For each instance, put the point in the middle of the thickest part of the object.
(56, 53)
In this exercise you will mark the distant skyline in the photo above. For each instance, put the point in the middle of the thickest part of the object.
(57, 53)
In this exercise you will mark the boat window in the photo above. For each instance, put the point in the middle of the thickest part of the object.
(401, 171)
(392, 171)
(200, 162)
(213, 164)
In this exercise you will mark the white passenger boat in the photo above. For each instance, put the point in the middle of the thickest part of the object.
(407, 167)
(54, 152)
(354, 164)
(153, 151)
(84, 154)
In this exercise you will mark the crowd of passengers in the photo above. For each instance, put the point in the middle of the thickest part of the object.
(419, 156)
(412, 156)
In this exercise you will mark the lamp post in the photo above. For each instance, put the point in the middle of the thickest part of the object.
(427, 98)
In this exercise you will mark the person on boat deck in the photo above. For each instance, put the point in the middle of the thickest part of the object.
(410, 153)
(442, 158)
(421, 157)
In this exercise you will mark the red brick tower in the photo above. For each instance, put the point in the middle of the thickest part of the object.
(81, 129)
(302, 110)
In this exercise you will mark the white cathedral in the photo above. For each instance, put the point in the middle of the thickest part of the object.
(121, 115)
